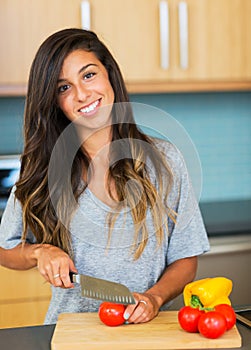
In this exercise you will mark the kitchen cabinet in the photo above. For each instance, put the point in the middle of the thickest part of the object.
(217, 47)
(24, 298)
(24, 25)
(201, 44)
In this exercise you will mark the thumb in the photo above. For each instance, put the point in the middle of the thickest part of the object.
(72, 267)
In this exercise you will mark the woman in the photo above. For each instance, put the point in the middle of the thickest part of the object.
(95, 194)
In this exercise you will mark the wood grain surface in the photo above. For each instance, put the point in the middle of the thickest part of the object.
(85, 331)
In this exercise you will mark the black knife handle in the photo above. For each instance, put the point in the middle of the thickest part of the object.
(72, 277)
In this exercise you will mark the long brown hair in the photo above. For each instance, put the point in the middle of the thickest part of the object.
(44, 122)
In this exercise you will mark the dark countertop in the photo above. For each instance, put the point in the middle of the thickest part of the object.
(39, 338)
(227, 217)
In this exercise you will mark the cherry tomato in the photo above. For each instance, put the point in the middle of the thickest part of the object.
(111, 314)
(189, 317)
(228, 312)
(212, 324)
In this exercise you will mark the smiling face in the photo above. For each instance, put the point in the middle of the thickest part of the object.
(83, 89)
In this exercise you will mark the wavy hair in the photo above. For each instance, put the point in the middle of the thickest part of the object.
(44, 123)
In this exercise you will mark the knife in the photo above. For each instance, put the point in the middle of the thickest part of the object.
(100, 289)
(243, 313)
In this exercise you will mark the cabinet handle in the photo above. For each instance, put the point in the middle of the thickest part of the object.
(183, 34)
(164, 34)
(85, 15)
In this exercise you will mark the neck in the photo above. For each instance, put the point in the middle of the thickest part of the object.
(96, 140)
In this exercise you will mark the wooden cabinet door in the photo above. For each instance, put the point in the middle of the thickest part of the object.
(24, 24)
(24, 298)
(130, 29)
(218, 38)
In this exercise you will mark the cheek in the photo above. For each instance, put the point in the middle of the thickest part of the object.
(104, 86)
(64, 105)
(110, 93)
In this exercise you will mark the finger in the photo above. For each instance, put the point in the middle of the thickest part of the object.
(140, 313)
(66, 267)
(57, 282)
(65, 278)
(131, 307)
(144, 317)
(52, 267)
(72, 267)
(134, 311)
(43, 273)
(51, 273)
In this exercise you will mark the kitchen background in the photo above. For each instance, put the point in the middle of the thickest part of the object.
(206, 88)
(219, 125)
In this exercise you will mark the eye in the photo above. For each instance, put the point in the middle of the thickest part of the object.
(89, 75)
(63, 88)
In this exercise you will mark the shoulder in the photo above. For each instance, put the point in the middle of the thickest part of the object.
(169, 151)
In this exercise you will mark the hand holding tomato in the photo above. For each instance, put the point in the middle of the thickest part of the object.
(111, 314)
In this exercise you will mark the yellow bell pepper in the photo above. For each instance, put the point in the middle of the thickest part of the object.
(208, 292)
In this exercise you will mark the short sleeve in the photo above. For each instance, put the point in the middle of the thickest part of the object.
(190, 240)
(188, 236)
(11, 224)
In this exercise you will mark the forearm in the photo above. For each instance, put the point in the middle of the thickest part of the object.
(22, 257)
(52, 262)
(173, 280)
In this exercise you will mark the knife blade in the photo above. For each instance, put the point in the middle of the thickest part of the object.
(100, 289)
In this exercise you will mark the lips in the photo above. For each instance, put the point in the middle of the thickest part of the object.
(90, 108)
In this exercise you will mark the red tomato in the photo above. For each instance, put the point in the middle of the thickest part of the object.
(111, 314)
(189, 317)
(228, 312)
(212, 324)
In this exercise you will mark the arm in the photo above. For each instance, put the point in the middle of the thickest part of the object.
(19, 257)
(50, 261)
(170, 285)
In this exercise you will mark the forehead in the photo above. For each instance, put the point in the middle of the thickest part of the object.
(77, 59)
(82, 54)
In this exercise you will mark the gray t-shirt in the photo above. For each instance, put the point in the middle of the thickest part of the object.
(115, 262)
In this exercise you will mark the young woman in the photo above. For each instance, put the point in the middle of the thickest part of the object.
(95, 194)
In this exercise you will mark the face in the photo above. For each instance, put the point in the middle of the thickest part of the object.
(85, 94)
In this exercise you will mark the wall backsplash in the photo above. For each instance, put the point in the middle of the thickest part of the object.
(219, 125)
(11, 122)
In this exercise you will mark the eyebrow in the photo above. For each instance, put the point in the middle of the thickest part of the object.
(80, 71)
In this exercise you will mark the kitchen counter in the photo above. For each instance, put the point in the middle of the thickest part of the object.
(227, 217)
(39, 338)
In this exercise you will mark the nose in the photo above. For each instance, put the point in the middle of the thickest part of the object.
(82, 92)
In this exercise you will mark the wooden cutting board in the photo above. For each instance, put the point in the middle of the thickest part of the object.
(85, 331)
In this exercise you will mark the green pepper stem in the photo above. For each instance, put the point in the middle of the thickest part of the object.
(195, 302)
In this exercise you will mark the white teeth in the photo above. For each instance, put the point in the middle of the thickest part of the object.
(89, 108)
